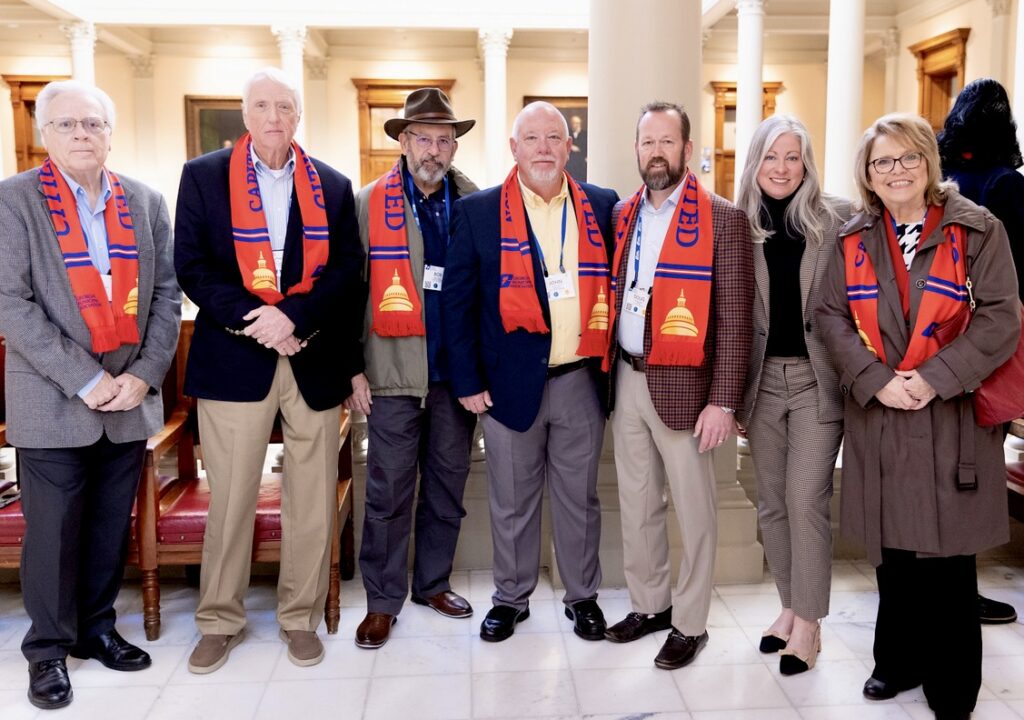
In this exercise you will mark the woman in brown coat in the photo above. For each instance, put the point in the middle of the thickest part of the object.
(924, 487)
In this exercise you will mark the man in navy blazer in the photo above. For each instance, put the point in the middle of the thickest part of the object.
(540, 400)
(257, 351)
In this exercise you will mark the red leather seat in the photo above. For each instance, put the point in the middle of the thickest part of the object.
(184, 519)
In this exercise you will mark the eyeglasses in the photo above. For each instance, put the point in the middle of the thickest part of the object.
(425, 142)
(262, 106)
(884, 165)
(92, 125)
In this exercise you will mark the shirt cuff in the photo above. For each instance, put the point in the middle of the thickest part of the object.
(91, 384)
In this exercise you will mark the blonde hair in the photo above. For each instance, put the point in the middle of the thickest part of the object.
(807, 213)
(914, 132)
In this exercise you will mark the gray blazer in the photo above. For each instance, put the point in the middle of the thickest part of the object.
(812, 270)
(49, 356)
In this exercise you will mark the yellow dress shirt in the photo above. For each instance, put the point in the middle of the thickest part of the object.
(546, 222)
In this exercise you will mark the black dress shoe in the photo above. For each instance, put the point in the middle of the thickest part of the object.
(587, 619)
(500, 622)
(993, 612)
(49, 686)
(875, 689)
(952, 715)
(113, 651)
(680, 650)
(635, 625)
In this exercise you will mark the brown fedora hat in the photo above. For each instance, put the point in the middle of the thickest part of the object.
(430, 106)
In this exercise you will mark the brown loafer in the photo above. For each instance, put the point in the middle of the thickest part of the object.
(374, 630)
(447, 603)
(211, 652)
(304, 647)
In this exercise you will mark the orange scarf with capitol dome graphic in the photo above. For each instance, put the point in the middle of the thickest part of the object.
(518, 303)
(113, 322)
(944, 294)
(249, 224)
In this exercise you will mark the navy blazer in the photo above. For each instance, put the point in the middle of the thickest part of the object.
(481, 355)
(235, 368)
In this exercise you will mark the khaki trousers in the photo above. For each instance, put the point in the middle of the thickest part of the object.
(234, 438)
(646, 452)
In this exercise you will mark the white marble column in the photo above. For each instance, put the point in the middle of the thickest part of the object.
(494, 52)
(315, 106)
(291, 41)
(843, 99)
(636, 56)
(891, 46)
(82, 37)
(145, 118)
(997, 47)
(749, 87)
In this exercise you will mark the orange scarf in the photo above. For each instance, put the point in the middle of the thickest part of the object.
(944, 295)
(397, 311)
(518, 302)
(681, 298)
(249, 224)
(111, 323)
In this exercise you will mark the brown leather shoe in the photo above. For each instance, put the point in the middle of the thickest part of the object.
(374, 630)
(447, 603)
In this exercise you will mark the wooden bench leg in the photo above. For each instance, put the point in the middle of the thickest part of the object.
(348, 549)
(332, 614)
(151, 604)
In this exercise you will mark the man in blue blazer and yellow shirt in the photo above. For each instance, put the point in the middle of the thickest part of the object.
(525, 318)
(267, 246)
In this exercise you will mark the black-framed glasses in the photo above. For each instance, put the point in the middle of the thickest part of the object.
(885, 165)
(92, 125)
(425, 142)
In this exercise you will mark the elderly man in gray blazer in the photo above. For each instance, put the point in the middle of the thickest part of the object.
(90, 310)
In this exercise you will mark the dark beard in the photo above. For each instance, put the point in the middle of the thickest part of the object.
(661, 177)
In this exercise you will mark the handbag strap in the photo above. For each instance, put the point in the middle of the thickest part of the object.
(969, 284)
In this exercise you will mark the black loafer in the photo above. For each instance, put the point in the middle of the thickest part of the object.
(587, 619)
(500, 622)
(113, 651)
(993, 612)
(49, 686)
(875, 689)
(680, 650)
(635, 625)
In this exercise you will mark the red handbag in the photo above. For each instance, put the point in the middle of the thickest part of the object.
(1000, 397)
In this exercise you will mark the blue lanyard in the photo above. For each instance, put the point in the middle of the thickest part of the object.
(416, 214)
(639, 237)
(561, 254)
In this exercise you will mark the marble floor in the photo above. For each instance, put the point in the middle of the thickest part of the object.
(436, 668)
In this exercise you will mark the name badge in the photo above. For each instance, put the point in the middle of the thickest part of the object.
(635, 302)
(559, 286)
(108, 285)
(433, 277)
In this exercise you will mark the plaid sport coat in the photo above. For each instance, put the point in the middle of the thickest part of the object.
(680, 393)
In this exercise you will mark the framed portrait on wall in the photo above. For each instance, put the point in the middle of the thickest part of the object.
(211, 123)
(575, 111)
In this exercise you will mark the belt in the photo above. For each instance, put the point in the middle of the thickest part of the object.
(565, 368)
(637, 363)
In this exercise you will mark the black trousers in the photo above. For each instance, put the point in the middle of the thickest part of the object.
(434, 439)
(928, 629)
(77, 504)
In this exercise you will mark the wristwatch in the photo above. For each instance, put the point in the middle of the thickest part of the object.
(729, 410)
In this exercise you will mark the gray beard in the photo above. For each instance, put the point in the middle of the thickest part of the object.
(661, 178)
(426, 176)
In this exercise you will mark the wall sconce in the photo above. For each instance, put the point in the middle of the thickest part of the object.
(705, 160)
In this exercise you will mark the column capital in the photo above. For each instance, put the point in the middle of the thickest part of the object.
(744, 7)
(999, 7)
(494, 41)
(142, 66)
(317, 67)
(80, 33)
(891, 42)
(290, 38)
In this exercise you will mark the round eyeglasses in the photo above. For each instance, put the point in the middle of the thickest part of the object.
(884, 165)
(424, 142)
(92, 125)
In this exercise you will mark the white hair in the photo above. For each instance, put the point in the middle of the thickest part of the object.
(533, 108)
(76, 87)
(278, 76)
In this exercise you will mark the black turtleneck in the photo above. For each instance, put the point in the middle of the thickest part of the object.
(783, 252)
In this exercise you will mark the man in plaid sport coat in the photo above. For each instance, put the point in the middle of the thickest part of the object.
(668, 418)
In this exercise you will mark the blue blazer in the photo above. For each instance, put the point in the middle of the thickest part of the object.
(481, 355)
(235, 368)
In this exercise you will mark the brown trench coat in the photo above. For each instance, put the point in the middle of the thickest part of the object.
(900, 468)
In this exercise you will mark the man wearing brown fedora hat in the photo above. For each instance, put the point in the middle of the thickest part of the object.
(414, 420)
